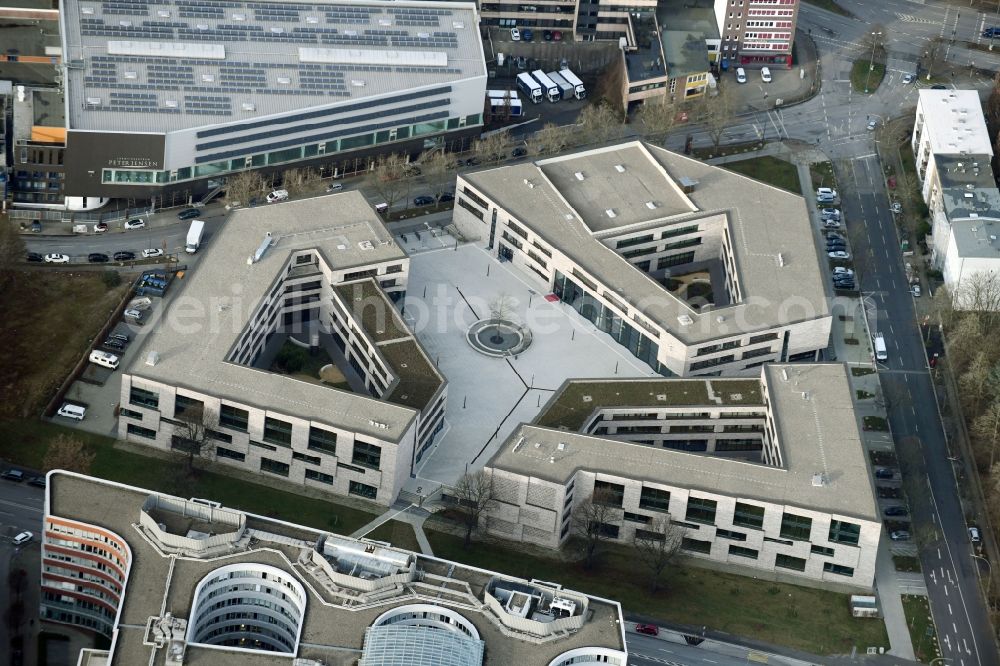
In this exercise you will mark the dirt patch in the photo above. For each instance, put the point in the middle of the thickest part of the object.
(49, 319)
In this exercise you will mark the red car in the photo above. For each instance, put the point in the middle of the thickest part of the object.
(648, 629)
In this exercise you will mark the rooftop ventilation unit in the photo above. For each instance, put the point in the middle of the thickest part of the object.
(529, 183)
(378, 424)
(993, 237)
(819, 480)
(619, 168)
(579, 175)
(720, 318)
(685, 320)
(611, 213)
(152, 358)
(688, 185)
(781, 260)
(561, 446)
(784, 374)
(266, 243)
(366, 245)
(651, 205)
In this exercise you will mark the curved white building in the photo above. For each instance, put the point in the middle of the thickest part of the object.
(248, 606)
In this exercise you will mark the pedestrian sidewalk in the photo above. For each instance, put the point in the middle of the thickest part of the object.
(408, 514)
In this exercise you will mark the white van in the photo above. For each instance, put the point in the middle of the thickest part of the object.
(277, 195)
(104, 358)
(72, 411)
(880, 351)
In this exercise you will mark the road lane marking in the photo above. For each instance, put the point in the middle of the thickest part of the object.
(949, 610)
(21, 506)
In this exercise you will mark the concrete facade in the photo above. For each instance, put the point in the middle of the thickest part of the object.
(187, 581)
(314, 279)
(757, 33)
(770, 486)
(602, 230)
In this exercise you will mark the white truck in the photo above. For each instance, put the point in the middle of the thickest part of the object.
(551, 90)
(194, 236)
(529, 87)
(880, 353)
(564, 87)
(501, 107)
(578, 90)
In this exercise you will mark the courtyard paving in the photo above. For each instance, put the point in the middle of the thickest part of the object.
(488, 397)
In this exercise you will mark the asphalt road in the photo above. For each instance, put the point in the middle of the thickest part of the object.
(649, 651)
(959, 613)
(21, 508)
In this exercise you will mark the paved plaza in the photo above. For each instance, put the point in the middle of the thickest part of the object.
(488, 397)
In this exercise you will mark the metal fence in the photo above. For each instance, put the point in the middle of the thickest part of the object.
(78, 216)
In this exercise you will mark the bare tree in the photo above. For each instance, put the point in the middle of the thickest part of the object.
(492, 148)
(437, 172)
(501, 309)
(657, 546)
(241, 187)
(610, 88)
(300, 180)
(980, 292)
(69, 453)
(656, 119)
(11, 253)
(993, 108)
(965, 339)
(475, 495)
(716, 114)
(191, 434)
(548, 140)
(986, 430)
(978, 383)
(934, 55)
(592, 523)
(388, 180)
(601, 123)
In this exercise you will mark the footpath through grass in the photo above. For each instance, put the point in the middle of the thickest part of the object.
(799, 617)
(865, 77)
(770, 170)
(25, 443)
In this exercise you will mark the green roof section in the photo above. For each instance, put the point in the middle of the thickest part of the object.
(369, 306)
(578, 399)
(418, 380)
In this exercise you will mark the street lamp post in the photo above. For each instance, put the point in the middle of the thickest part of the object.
(871, 63)
(989, 575)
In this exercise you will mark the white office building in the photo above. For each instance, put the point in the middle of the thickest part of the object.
(766, 476)
(696, 270)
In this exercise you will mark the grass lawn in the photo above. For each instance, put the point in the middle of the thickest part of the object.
(822, 175)
(861, 372)
(25, 442)
(770, 170)
(918, 619)
(799, 617)
(397, 533)
(830, 5)
(875, 423)
(864, 395)
(906, 563)
(49, 319)
(860, 71)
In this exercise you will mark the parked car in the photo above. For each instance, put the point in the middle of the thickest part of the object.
(334, 187)
(897, 207)
(974, 535)
(519, 152)
(33, 256)
(556, 35)
(132, 314)
(446, 196)
(423, 200)
(823, 191)
(872, 124)
(117, 345)
(648, 629)
(152, 252)
(515, 35)
(547, 35)
(915, 290)
(842, 270)
(527, 35)
(831, 224)
(36, 227)
(37, 481)
(825, 198)
(884, 473)
(13, 475)
(22, 538)
(900, 535)
(896, 511)
(829, 213)
(741, 75)
(765, 75)
(189, 214)
(120, 337)
(840, 254)
(57, 258)
(124, 255)
(909, 78)
(135, 223)
(97, 258)
(100, 227)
